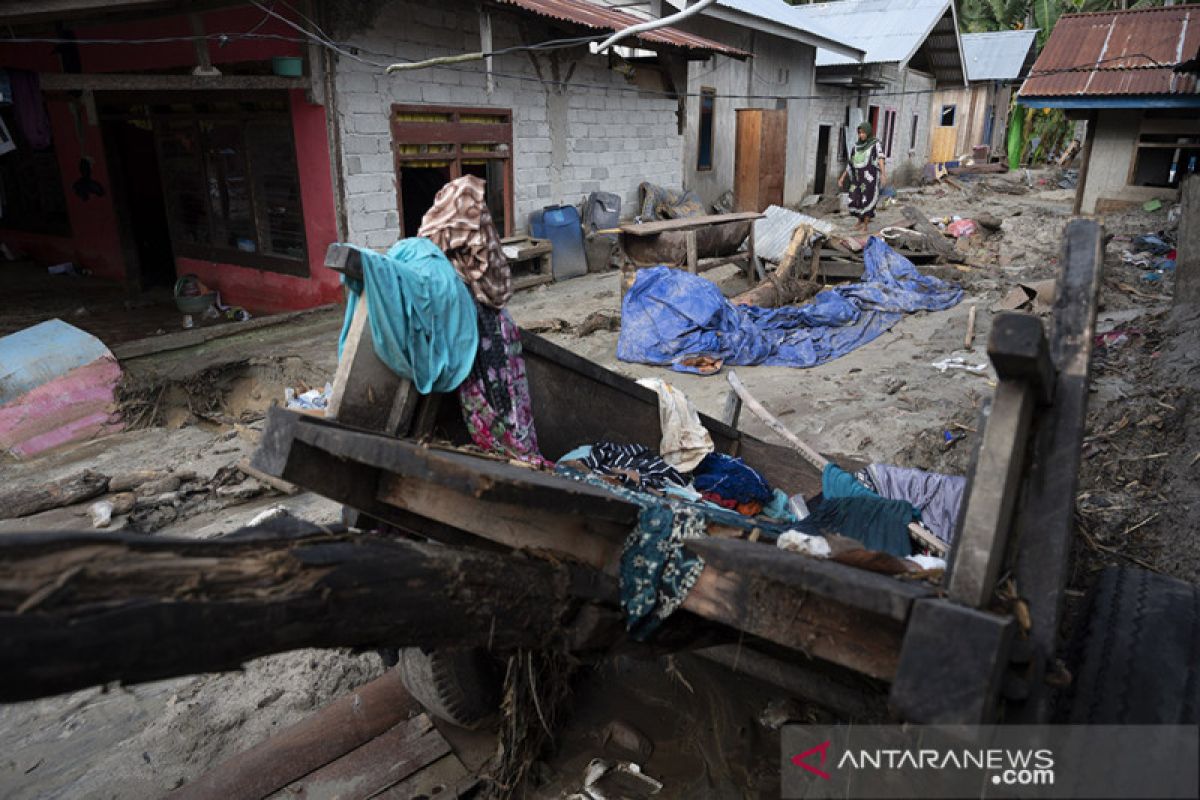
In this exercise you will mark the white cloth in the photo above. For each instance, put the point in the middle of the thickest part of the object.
(685, 442)
(798, 542)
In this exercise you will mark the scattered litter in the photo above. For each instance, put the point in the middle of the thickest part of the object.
(606, 780)
(188, 322)
(1152, 205)
(101, 513)
(1115, 338)
(961, 227)
(798, 507)
(1153, 243)
(1174, 215)
(311, 400)
(958, 362)
(272, 513)
(1035, 295)
(928, 562)
(797, 542)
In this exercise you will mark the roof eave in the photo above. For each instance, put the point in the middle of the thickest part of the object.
(1111, 101)
(735, 17)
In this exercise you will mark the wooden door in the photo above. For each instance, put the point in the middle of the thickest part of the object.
(760, 159)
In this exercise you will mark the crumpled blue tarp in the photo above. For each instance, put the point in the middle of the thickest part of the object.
(669, 316)
(423, 320)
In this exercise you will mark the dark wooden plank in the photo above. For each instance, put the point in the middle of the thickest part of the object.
(1017, 349)
(1045, 523)
(341, 726)
(686, 223)
(377, 765)
(107, 82)
(444, 779)
(82, 609)
(868, 591)
(952, 665)
(178, 340)
(797, 619)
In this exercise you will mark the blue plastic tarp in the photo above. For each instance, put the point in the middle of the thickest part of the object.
(670, 317)
(423, 320)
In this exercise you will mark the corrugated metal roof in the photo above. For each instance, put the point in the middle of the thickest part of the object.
(773, 233)
(887, 30)
(1118, 53)
(999, 55)
(596, 17)
(774, 16)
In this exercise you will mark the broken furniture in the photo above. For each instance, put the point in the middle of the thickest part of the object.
(529, 259)
(481, 551)
(697, 243)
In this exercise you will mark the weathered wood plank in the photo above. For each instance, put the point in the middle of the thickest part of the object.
(341, 726)
(686, 223)
(82, 609)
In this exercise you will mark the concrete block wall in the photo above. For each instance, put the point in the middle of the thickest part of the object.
(909, 92)
(779, 69)
(594, 135)
(1111, 161)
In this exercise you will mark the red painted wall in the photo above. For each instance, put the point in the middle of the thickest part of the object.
(95, 243)
(269, 292)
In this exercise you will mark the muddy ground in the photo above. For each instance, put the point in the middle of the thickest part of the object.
(199, 410)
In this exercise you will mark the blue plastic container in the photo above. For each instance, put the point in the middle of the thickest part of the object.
(560, 224)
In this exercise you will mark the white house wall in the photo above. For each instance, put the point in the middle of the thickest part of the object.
(779, 68)
(565, 145)
(908, 91)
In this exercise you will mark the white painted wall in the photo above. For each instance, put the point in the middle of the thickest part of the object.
(593, 136)
(907, 160)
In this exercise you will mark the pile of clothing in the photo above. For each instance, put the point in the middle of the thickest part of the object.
(437, 317)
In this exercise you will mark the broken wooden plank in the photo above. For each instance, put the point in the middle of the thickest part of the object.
(25, 500)
(82, 609)
(377, 765)
(366, 392)
(686, 223)
(340, 727)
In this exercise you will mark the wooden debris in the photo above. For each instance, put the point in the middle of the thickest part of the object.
(933, 239)
(126, 481)
(969, 339)
(23, 501)
(759, 410)
(262, 477)
(784, 286)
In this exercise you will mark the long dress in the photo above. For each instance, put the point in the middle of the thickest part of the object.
(864, 181)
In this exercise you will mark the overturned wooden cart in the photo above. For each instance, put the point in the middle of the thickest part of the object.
(473, 551)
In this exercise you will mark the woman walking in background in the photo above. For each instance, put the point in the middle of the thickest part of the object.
(866, 173)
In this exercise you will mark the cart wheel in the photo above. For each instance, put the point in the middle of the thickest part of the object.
(461, 686)
(1136, 656)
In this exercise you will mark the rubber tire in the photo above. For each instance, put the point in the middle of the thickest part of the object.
(460, 686)
(1136, 655)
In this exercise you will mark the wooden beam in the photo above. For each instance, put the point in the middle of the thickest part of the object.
(346, 723)
(74, 82)
(81, 609)
(1045, 526)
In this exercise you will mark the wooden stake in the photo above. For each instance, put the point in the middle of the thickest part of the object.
(810, 455)
(970, 337)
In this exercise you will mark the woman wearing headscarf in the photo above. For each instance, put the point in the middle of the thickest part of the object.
(866, 173)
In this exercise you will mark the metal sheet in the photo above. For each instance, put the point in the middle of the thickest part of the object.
(997, 56)
(888, 30)
(773, 232)
(1118, 53)
(598, 17)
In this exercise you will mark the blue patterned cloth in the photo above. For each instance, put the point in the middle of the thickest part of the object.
(657, 571)
(729, 478)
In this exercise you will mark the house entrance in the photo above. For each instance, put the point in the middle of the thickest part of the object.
(822, 175)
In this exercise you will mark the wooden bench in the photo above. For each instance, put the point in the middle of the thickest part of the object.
(680, 242)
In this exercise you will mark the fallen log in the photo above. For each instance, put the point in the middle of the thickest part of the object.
(23, 501)
(784, 286)
(82, 609)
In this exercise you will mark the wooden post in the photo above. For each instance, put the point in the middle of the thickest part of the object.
(1086, 158)
(692, 254)
(1187, 264)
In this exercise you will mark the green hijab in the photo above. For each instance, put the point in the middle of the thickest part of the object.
(866, 144)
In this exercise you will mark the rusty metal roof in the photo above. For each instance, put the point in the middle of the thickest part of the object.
(597, 17)
(1117, 53)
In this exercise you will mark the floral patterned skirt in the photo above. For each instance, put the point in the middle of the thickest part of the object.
(864, 190)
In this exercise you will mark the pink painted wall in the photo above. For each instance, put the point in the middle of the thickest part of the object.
(95, 243)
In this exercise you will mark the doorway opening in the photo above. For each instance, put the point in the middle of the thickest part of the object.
(133, 162)
(822, 176)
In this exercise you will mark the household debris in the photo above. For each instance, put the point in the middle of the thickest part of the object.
(773, 233)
